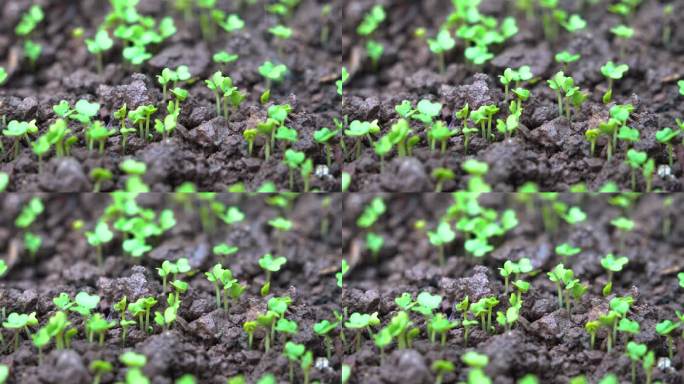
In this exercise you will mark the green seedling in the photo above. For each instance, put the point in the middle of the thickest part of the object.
(648, 364)
(29, 213)
(382, 339)
(440, 45)
(636, 352)
(344, 78)
(98, 176)
(628, 134)
(140, 309)
(224, 58)
(224, 250)
(324, 328)
(442, 175)
(439, 132)
(250, 327)
(223, 281)
(477, 362)
(510, 317)
(612, 264)
(680, 85)
(99, 237)
(666, 136)
(440, 325)
(623, 225)
(665, 328)
(441, 368)
(628, 327)
(171, 77)
(564, 279)
(40, 340)
(440, 238)
(635, 160)
(324, 136)
(20, 130)
(382, 147)
(362, 321)
(286, 327)
(565, 58)
(343, 271)
(272, 72)
(612, 72)
(250, 135)
(293, 159)
(374, 243)
(478, 54)
(134, 362)
(270, 264)
(99, 368)
(32, 243)
(171, 269)
(97, 325)
(282, 226)
(511, 268)
(624, 33)
(564, 250)
(286, 135)
(167, 318)
(566, 91)
(592, 328)
(224, 91)
(17, 322)
(99, 45)
(293, 352)
(360, 130)
(232, 23)
(282, 33)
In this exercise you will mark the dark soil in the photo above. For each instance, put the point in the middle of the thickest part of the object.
(205, 150)
(205, 341)
(547, 341)
(546, 150)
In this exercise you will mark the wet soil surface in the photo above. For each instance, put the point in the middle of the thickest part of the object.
(205, 149)
(205, 341)
(546, 149)
(546, 342)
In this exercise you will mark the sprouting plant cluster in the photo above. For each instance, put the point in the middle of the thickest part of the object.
(139, 37)
(89, 317)
(614, 318)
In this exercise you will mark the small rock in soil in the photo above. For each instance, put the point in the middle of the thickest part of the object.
(162, 353)
(406, 366)
(207, 326)
(538, 58)
(405, 174)
(475, 286)
(133, 94)
(552, 326)
(196, 58)
(361, 109)
(64, 367)
(508, 351)
(163, 159)
(361, 301)
(210, 134)
(64, 175)
(476, 94)
(133, 287)
(507, 160)
(554, 134)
